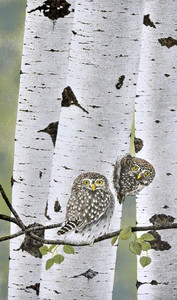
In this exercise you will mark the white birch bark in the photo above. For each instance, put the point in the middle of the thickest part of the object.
(42, 81)
(156, 118)
(106, 46)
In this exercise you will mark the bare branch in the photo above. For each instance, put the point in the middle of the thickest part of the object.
(101, 238)
(12, 236)
(20, 223)
(31, 231)
(9, 219)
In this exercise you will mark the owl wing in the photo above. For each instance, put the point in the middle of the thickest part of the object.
(120, 164)
(116, 177)
(85, 211)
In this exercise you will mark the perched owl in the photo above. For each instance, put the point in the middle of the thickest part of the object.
(89, 209)
(131, 175)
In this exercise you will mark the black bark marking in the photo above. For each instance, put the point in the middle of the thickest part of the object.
(46, 210)
(153, 282)
(56, 292)
(35, 287)
(157, 121)
(40, 174)
(68, 99)
(30, 245)
(12, 180)
(158, 244)
(52, 130)
(66, 168)
(120, 82)
(165, 206)
(147, 21)
(54, 9)
(74, 32)
(54, 50)
(168, 174)
(94, 106)
(89, 274)
(138, 144)
(166, 75)
(161, 220)
(26, 110)
(168, 42)
(57, 206)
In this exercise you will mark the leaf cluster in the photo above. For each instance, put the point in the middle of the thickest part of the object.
(56, 258)
(138, 245)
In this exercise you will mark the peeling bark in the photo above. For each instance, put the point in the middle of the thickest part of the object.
(156, 119)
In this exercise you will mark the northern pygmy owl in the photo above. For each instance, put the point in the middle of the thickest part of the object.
(89, 209)
(131, 175)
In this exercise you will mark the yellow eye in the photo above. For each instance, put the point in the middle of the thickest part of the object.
(135, 168)
(86, 182)
(99, 182)
(147, 173)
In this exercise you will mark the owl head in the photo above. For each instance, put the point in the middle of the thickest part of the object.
(131, 175)
(90, 181)
(138, 168)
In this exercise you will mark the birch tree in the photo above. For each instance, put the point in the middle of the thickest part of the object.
(156, 119)
(102, 57)
(43, 77)
(93, 130)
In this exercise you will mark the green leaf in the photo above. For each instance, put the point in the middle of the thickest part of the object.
(114, 240)
(145, 246)
(51, 248)
(135, 248)
(58, 259)
(145, 261)
(125, 233)
(147, 237)
(68, 249)
(49, 263)
(44, 250)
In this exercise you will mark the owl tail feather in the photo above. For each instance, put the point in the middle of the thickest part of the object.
(67, 227)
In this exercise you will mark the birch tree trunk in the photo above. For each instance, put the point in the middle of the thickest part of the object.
(105, 47)
(43, 77)
(156, 119)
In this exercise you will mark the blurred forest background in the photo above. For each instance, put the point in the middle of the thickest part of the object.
(12, 17)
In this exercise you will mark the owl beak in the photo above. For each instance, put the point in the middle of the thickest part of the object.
(93, 187)
(139, 176)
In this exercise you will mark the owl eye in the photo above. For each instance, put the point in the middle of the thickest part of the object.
(135, 168)
(147, 173)
(86, 182)
(99, 182)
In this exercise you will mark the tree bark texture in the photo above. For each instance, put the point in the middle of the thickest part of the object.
(105, 47)
(43, 77)
(156, 118)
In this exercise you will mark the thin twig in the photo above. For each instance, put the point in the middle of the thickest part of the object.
(9, 219)
(18, 219)
(12, 236)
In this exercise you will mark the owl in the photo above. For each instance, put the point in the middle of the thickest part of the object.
(131, 175)
(89, 209)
